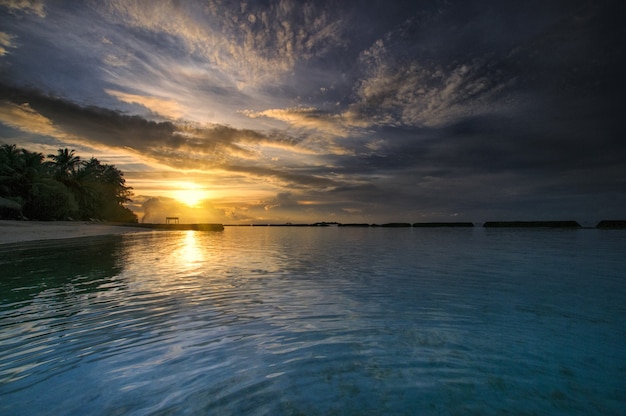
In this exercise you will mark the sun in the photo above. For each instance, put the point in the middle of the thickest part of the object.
(190, 194)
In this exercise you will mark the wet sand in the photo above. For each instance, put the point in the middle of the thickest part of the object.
(21, 231)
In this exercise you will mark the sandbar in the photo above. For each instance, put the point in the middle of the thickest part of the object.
(22, 231)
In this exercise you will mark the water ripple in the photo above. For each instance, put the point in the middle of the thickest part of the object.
(320, 321)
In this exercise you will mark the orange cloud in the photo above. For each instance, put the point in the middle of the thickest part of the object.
(24, 118)
(165, 107)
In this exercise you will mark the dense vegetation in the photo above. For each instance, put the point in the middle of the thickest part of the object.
(60, 187)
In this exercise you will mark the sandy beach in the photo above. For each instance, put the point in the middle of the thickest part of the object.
(21, 231)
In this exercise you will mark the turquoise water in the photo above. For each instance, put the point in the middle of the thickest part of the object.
(316, 321)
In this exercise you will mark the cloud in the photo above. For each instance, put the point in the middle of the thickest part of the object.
(322, 131)
(313, 119)
(407, 92)
(249, 42)
(304, 118)
(283, 207)
(6, 42)
(24, 118)
(26, 6)
(431, 171)
(424, 108)
(60, 118)
(181, 145)
(169, 80)
(465, 62)
(167, 108)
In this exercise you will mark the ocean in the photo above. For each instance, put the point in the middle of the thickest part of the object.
(316, 321)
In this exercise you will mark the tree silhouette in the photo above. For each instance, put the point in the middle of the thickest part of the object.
(19, 170)
(61, 188)
(65, 163)
(101, 190)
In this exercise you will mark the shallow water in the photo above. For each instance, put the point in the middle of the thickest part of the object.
(273, 320)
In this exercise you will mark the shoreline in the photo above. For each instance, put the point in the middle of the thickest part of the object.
(13, 231)
(16, 231)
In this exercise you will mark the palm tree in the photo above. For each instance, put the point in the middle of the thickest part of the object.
(19, 170)
(21, 173)
(32, 163)
(65, 163)
(8, 161)
(9, 153)
(101, 190)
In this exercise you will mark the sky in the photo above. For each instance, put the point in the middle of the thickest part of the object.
(243, 112)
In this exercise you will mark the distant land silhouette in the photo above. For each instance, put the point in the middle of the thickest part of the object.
(612, 224)
(531, 224)
(604, 224)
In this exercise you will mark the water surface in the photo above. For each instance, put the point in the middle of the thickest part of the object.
(278, 320)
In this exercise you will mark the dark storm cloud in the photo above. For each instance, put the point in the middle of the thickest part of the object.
(533, 120)
(488, 160)
(112, 128)
(183, 146)
(298, 179)
(477, 67)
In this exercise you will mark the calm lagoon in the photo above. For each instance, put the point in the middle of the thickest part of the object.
(316, 321)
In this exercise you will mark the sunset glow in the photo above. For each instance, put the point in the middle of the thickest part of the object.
(286, 111)
(190, 194)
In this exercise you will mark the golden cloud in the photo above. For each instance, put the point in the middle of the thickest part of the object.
(165, 107)
(5, 42)
(23, 117)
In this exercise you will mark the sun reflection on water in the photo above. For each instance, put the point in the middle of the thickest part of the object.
(190, 253)
(175, 260)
